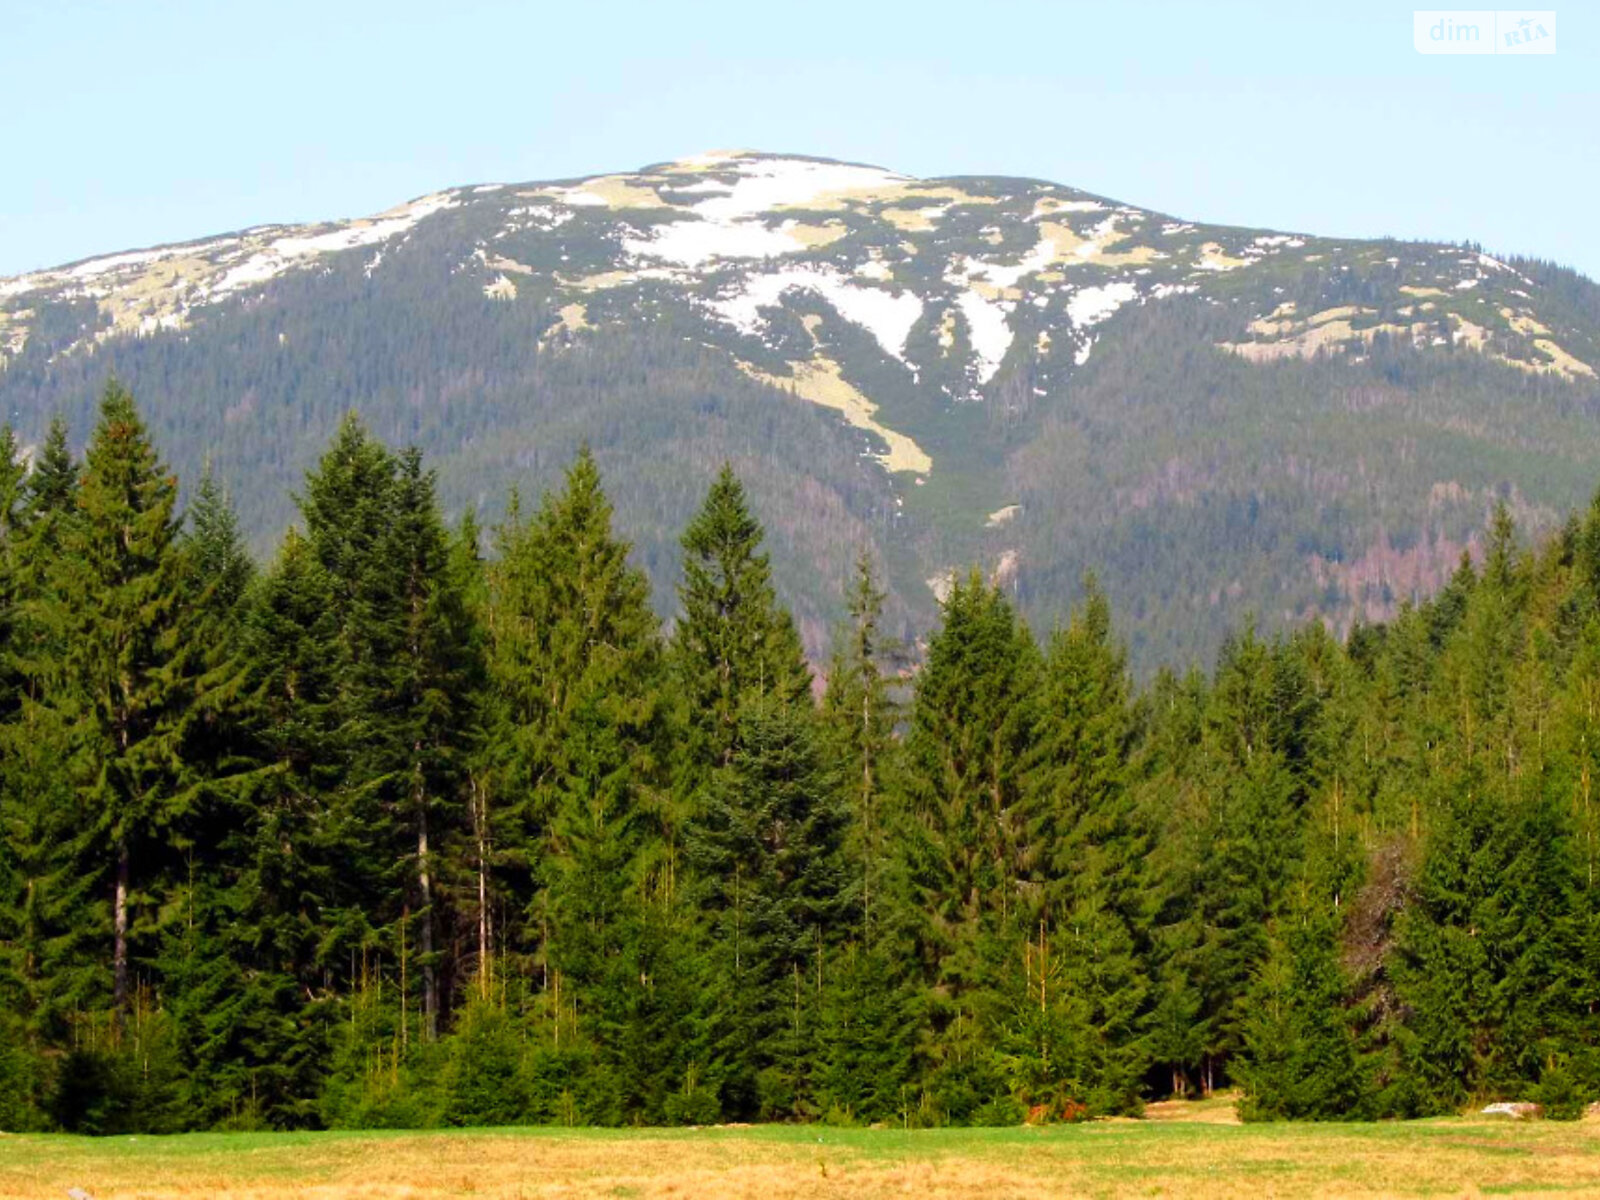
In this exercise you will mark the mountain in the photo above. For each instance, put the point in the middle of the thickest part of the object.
(1222, 423)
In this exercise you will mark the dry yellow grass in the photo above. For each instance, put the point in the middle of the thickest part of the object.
(814, 236)
(619, 191)
(912, 220)
(499, 262)
(13, 332)
(500, 288)
(1068, 246)
(895, 195)
(1174, 1153)
(1561, 362)
(1213, 258)
(1306, 344)
(821, 382)
(1523, 323)
(1331, 327)
(573, 319)
(600, 282)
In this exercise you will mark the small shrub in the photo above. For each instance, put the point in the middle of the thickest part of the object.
(1559, 1093)
(693, 1104)
(1001, 1111)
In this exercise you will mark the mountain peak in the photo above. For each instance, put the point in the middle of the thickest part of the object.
(742, 234)
(945, 338)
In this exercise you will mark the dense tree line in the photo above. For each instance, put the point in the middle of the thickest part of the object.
(423, 825)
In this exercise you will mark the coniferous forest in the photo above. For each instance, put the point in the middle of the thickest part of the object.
(427, 824)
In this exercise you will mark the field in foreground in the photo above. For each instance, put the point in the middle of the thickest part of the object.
(1182, 1150)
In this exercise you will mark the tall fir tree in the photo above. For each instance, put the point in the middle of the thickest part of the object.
(50, 951)
(733, 641)
(578, 743)
(1080, 811)
(425, 717)
(775, 888)
(1298, 1058)
(860, 712)
(292, 888)
(118, 594)
(221, 566)
(965, 857)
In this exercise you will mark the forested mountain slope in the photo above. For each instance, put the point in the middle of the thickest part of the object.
(973, 370)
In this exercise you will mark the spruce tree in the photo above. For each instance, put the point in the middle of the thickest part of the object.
(295, 859)
(866, 1026)
(775, 889)
(577, 744)
(1479, 948)
(573, 650)
(21, 1065)
(1175, 811)
(334, 606)
(13, 517)
(1298, 1057)
(407, 687)
(1253, 840)
(50, 952)
(221, 566)
(119, 596)
(1076, 1029)
(48, 506)
(960, 828)
(1070, 1040)
(1083, 722)
(860, 712)
(1080, 814)
(13, 473)
(733, 641)
(865, 1034)
(423, 702)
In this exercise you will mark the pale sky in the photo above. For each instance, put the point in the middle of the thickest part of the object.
(132, 124)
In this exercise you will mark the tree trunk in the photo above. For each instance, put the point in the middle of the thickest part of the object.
(481, 821)
(866, 811)
(119, 926)
(430, 983)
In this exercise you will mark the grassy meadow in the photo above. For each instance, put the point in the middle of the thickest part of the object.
(1178, 1150)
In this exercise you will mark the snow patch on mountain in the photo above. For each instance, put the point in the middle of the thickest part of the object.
(988, 330)
(731, 222)
(1049, 205)
(1044, 253)
(766, 184)
(695, 243)
(1091, 305)
(542, 217)
(887, 315)
(278, 256)
(97, 267)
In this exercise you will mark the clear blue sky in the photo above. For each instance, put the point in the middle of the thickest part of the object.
(130, 124)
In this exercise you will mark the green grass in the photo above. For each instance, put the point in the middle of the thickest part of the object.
(1180, 1151)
